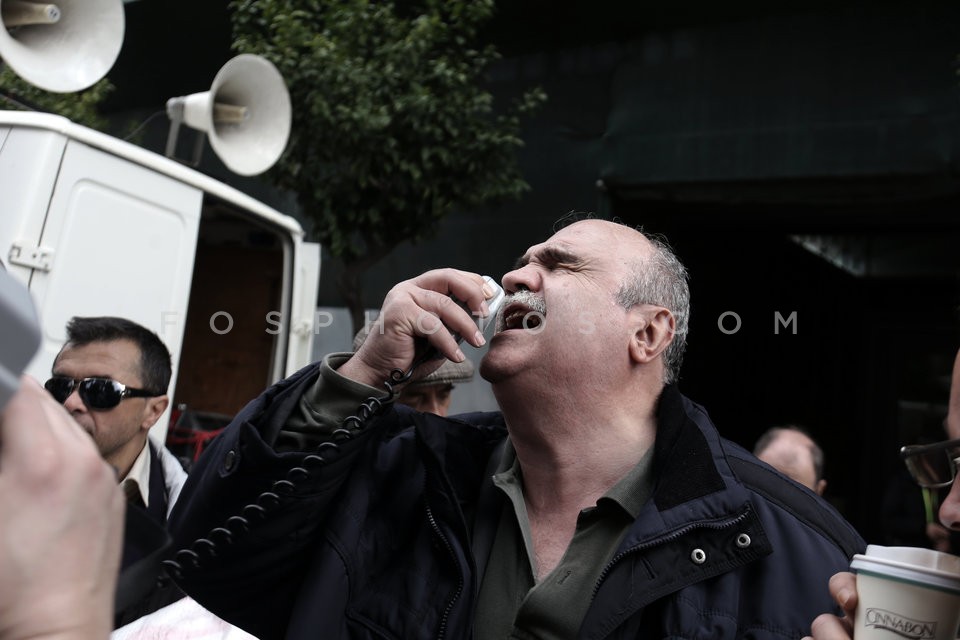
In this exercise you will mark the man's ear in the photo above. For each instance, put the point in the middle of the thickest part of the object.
(653, 333)
(821, 487)
(154, 409)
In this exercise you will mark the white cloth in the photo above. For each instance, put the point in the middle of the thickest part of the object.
(183, 619)
(173, 474)
(139, 475)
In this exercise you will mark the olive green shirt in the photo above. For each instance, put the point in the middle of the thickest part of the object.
(511, 603)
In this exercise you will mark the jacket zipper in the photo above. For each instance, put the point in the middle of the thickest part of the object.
(456, 596)
(665, 539)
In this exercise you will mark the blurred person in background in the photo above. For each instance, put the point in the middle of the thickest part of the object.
(791, 451)
(432, 393)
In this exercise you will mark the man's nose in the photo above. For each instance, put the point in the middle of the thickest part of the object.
(950, 508)
(526, 277)
(74, 402)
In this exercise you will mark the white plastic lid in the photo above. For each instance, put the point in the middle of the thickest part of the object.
(915, 565)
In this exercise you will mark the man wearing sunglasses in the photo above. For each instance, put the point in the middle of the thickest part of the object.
(112, 377)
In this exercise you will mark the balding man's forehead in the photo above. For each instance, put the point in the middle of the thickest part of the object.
(605, 233)
(588, 240)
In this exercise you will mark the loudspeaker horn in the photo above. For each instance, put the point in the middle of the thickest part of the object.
(246, 114)
(63, 46)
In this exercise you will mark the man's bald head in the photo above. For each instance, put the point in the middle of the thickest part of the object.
(794, 453)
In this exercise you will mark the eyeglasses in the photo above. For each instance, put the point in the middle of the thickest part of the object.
(96, 393)
(932, 465)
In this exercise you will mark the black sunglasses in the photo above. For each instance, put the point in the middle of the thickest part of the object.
(932, 465)
(96, 393)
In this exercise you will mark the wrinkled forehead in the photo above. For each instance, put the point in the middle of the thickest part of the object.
(590, 238)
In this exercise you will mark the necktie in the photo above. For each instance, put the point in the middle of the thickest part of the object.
(132, 490)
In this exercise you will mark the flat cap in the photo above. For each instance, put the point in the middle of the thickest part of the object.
(448, 373)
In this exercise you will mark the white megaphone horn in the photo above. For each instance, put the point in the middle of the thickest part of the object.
(246, 114)
(63, 46)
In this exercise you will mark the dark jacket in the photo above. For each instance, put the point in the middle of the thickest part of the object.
(382, 534)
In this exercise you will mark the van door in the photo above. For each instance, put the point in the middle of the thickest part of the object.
(121, 239)
(29, 162)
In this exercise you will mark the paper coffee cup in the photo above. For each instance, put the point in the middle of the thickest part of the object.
(906, 592)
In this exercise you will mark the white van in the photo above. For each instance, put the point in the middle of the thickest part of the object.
(97, 226)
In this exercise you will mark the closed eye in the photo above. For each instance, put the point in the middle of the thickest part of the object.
(551, 257)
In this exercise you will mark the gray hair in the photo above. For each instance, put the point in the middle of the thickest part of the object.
(662, 280)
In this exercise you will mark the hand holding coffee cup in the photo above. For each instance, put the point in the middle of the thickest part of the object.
(906, 592)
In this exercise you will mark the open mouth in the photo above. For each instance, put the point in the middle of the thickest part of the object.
(519, 316)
